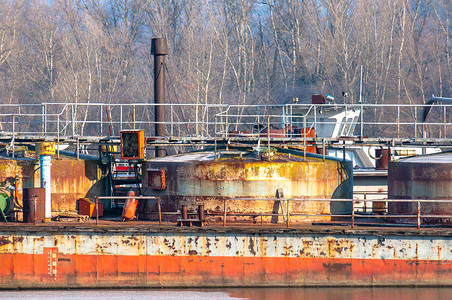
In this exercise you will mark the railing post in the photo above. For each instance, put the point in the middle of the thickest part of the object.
(362, 121)
(224, 216)
(133, 117)
(304, 138)
(353, 213)
(97, 210)
(415, 123)
(101, 120)
(73, 120)
(445, 119)
(78, 148)
(160, 211)
(398, 121)
(215, 140)
(58, 136)
(288, 215)
(315, 119)
(172, 120)
(291, 121)
(418, 214)
(120, 117)
(14, 133)
(268, 135)
(43, 119)
(207, 120)
(19, 122)
(226, 119)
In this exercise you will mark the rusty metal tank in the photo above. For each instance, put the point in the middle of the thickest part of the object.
(199, 179)
(421, 177)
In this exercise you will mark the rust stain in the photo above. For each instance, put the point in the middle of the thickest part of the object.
(192, 252)
(15, 239)
(228, 245)
(337, 267)
(251, 247)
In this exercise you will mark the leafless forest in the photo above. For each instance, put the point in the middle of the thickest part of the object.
(225, 51)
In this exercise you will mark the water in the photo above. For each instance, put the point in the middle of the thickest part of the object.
(239, 293)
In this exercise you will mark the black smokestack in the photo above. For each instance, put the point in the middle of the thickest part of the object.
(159, 49)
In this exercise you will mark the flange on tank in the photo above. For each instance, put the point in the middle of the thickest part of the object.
(422, 177)
(198, 178)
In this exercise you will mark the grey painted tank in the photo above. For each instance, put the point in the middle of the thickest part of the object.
(197, 178)
(421, 177)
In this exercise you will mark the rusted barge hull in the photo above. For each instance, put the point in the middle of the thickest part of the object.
(152, 257)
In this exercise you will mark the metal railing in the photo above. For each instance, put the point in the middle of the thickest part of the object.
(350, 217)
(65, 120)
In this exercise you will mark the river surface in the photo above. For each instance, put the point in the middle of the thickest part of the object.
(239, 293)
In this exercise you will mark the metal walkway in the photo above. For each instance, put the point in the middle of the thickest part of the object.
(208, 124)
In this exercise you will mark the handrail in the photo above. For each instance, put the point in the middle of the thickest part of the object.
(287, 214)
(87, 119)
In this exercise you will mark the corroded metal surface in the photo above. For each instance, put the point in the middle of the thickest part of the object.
(422, 177)
(71, 179)
(197, 178)
(83, 258)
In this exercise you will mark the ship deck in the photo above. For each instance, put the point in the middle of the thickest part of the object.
(370, 227)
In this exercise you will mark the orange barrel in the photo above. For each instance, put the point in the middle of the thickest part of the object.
(34, 205)
(130, 207)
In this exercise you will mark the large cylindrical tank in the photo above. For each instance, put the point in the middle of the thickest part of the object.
(198, 179)
(422, 177)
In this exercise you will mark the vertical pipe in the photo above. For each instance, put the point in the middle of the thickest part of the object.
(201, 212)
(184, 212)
(46, 183)
(361, 86)
(159, 49)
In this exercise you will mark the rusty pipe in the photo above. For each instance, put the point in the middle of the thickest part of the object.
(201, 212)
(184, 212)
(159, 49)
